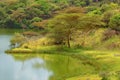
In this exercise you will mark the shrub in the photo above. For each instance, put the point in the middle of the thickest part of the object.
(17, 40)
(115, 22)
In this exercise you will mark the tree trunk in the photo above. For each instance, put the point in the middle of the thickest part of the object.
(68, 42)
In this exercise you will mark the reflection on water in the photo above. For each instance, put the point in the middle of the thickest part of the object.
(38, 67)
(17, 70)
(4, 42)
(55, 66)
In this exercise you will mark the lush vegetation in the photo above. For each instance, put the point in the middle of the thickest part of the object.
(67, 27)
(67, 23)
(31, 13)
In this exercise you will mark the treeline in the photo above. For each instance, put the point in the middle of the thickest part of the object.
(29, 14)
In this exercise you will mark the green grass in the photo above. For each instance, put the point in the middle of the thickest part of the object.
(47, 49)
(109, 62)
(19, 50)
(87, 77)
(106, 61)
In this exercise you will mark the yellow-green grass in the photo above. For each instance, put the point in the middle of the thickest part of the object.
(110, 58)
(19, 50)
(86, 77)
(109, 61)
(45, 49)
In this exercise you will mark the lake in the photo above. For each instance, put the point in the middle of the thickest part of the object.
(37, 66)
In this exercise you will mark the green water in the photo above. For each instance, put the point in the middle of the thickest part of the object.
(37, 66)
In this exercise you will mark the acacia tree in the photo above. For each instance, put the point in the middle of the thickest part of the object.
(65, 25)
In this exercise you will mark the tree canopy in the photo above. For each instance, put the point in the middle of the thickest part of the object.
(64, 26)
(16, 13)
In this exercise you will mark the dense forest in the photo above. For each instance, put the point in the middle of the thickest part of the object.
(88, 30)
(30, 13)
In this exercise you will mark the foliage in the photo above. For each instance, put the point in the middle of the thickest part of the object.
(73, 10)
(91, 21)
(17, 40)
(67, 20)
(111, 6)
(21, 13)
(36, 19)
(115, 22)
(40, 25)
(67, 24)
(96, 12)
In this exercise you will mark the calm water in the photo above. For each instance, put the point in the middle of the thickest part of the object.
(36, 66)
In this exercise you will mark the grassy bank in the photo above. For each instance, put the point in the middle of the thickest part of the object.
(87, 77)
(105, 62)
(108, 63)
(54, 49)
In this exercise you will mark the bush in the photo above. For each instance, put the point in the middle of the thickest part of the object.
(115, 22)
(17, 40)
